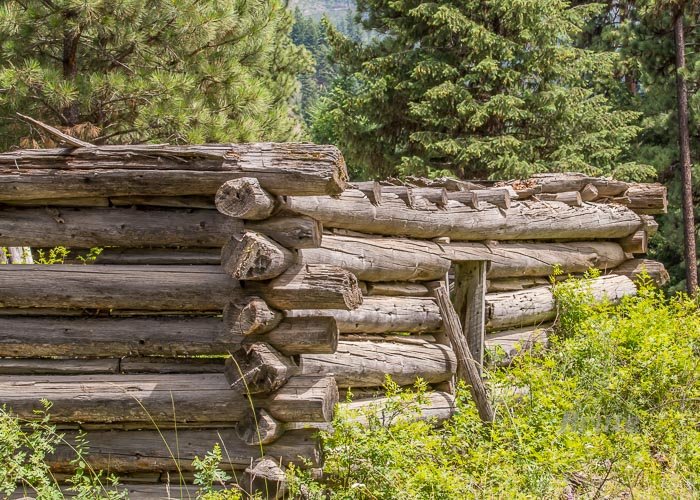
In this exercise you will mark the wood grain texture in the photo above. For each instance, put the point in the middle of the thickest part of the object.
(153, 170)
(117, 287)
(253, 256)
(524, 220)
(365, 364)
(245, 199)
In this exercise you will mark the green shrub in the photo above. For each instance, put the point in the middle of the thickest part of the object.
(612, 409)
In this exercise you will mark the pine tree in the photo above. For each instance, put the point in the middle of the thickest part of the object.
(494, 88)
(149, 70)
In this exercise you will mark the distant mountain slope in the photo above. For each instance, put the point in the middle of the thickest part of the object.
(334, 9)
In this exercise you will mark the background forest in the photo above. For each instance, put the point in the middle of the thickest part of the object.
(476, 89)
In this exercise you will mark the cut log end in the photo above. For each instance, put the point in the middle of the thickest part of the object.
(255, 257)
(266, 476)
(250, 317)
(258, 368)
(259, 428)
(244, 199)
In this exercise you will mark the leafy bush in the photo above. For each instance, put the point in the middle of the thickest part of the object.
(612, 409)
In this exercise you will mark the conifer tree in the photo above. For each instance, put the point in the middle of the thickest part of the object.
(493, 88)
(149, 70)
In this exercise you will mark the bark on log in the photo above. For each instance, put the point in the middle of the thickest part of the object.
(633, 268)
(437, 407)
(504, 347)
(151, 170)
(86, 228)
(646, 198)
(537, 305)
(186, 288)
(524, 220)
(253, 256)
(310, 286)
(571, 198)
(397, 289)
(155, 336)
(365, 364)
(383, 315)
(467, 367)
(245, 199)
(181, 399)
(159, 256)
(377, 259)
(172, 451)
(258, 368)
(538, 259)
(290, 231)
(250, 316)
(636, 243)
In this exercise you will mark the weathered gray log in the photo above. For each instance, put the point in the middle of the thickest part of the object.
(159, 256)
(159, 364)
(645, 198)
(383, 315)
(468, 198)
(117, 287)
(513, 259)
(469, 304)
(504, 347)
(435, 195)
(290, 231)
(397, 289)
(365, 364)
(172, 451)
(152, 170)
(524, 220)
(557, 183)
(26, 366)
(250, 316)
(89, 227)
(375, 259)
(495, 196)
(537, 305)
(179, 398)
(636, 243)
(259, 428)
(310, 286)
(258, 368)
(514, 284)
(265, 476)
(434, 406)
(253, 256)
(571, 198)
(649, 224)
(589, 192)
(401, 192)
(633, 268)
(244, 199)
(206, 202)
(467, 367)
(48, 336)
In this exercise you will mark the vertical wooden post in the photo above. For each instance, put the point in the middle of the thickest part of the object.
(469, 302)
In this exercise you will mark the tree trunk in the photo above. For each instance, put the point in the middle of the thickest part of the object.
(366, 364)
(155, 170)
(383, 315)
(524, 220)
(691, 265)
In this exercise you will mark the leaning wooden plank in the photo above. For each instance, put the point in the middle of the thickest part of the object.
(177, 398)
(524, 220)
(537, 305)
(434, 406)
(171, 451)
(469, 304)
(635, 267)
(154, 170)
(467, 368)
(310, 286)
(515, 259)
(48, 336)
(120, 227)
(383, 315)
(185, 288)
(381, 259)
(66, 366)
(366, 364)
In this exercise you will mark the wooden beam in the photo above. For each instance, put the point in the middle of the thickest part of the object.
(469, 302)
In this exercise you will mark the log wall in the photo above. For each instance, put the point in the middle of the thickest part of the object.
(239, 287)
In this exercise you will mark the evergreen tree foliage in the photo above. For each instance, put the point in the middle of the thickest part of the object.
(149, 70)
(494, 88)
